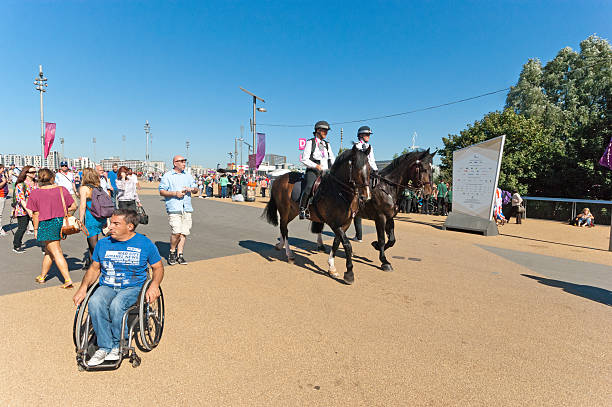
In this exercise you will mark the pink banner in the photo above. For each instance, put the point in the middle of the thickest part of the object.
(49, 137)
(606, 158)
(261, 148)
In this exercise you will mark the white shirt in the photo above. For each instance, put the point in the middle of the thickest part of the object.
(362, 145)
(65, 180)
(104, 184)
(322, 152)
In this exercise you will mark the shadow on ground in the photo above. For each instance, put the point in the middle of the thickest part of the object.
(586, 291)
(551, 242)
(437, 224)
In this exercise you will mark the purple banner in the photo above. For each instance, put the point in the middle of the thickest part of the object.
(261, 148)
(606, 158)
(49, 137)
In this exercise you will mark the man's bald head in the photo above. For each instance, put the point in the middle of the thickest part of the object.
(179, 163)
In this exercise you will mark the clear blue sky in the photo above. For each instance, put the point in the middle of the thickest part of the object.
(112, 65)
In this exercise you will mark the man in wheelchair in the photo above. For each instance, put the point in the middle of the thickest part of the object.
(121, 262)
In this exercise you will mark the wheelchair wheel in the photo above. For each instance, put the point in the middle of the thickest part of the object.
(151, 320)
(83, 333)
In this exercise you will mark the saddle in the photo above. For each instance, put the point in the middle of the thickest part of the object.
(299, 183)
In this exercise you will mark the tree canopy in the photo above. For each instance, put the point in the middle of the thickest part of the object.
(557, 121)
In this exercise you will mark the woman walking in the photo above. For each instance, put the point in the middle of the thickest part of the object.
(49, 203)
(23, 188)
(127, 195)
(94, 225)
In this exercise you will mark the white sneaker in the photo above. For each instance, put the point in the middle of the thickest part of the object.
(3, 233)
(113, 355)
(30, 232)
(97, 358)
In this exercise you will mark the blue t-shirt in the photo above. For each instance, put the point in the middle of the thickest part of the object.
(176, 181)
(124, 264)
(112, 177)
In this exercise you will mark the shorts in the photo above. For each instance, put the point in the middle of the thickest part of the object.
(50, 229)
(180, 223)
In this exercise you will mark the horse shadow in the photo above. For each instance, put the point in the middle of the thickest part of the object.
(301, 251)
(434, 224)
(585, 291)
(164, 249)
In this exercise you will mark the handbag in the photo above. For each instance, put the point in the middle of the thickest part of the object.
(142, 215)
(71, 224)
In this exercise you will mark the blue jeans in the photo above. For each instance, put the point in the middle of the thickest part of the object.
(223, 192)
(106, 308)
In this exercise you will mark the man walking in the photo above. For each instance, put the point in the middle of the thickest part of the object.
(4, 191)
(65, 178)
(442, 191)
(176, 187)
(104, 182)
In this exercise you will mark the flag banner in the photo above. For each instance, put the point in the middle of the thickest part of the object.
(606, 158)
(252, 160)
(49, 137)
(261, 148)
(301, 143)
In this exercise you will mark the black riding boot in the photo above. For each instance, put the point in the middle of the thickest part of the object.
(304, 204)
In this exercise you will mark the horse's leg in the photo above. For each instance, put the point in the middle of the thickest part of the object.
(280, 244)
(320, 245)
(285, 237)
(349, 277)
(330, 260)
(380, 243)
(390, 229)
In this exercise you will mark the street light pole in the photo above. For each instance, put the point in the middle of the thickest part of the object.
(123, 140)
(62, 142)
(147, 129)
(253, 123)
(187, 146)
(94, 149)
(41, 85)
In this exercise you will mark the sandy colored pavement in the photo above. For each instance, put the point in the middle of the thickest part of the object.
(454, 325)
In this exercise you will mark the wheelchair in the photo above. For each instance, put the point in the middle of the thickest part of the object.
(144, 323)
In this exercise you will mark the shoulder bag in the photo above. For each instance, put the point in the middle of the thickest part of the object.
(143, 218)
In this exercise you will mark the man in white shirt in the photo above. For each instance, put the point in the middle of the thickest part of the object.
(104, 182)
(65, 178)
(317, 157)
(363, 142)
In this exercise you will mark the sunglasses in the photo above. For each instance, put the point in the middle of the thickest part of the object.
(180, 161)
(31, 172)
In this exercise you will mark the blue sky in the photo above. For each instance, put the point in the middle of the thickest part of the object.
(112, 65)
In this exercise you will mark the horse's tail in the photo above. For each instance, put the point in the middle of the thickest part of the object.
(316, 227)
(271, 211)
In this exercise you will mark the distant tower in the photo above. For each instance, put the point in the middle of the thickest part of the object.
(413, 147)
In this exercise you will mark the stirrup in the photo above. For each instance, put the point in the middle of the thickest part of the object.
(304, 214)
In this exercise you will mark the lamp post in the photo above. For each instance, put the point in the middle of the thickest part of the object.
(41, 85)
(123, 143)
(187, 146)
(62, 142)
(255, 109)
(147, 129)
(93, 141)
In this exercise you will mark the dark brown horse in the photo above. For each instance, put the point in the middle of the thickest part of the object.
(414, 168)
(335, 203)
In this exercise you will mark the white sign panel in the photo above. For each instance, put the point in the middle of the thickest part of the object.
(475, 176)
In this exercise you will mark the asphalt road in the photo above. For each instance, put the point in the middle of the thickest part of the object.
(219, 229)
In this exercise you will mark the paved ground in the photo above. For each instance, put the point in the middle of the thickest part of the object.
(517, 319)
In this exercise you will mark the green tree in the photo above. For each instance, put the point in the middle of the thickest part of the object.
(527, 152)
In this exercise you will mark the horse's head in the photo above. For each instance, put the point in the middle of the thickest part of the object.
(360, 172)
(422, 171)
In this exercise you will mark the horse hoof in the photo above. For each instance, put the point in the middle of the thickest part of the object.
(387, 267)
(278, 246)
(349, 278)
(321, 248)
(333, 273)
(291, 260)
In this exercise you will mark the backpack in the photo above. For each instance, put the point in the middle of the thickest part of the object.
(101, 204)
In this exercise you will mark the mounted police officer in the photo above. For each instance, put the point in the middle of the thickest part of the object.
(363, 142)
(317, 157)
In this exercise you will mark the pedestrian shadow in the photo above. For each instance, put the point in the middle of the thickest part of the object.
(270, 253)
(74, 264)
(586, 291)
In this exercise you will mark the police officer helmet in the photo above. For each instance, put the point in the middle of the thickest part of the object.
(323, 125)
(365, 130)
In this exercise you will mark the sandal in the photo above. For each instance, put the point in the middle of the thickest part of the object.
(41, 279)
(67, 284)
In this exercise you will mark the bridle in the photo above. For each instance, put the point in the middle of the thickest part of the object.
(410, 187)
(352, 187)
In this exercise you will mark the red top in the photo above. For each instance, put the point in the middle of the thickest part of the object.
(48, 202)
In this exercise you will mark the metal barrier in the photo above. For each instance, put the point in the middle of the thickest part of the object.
(574, 202)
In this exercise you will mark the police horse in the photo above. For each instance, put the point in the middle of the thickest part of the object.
(335, 203)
